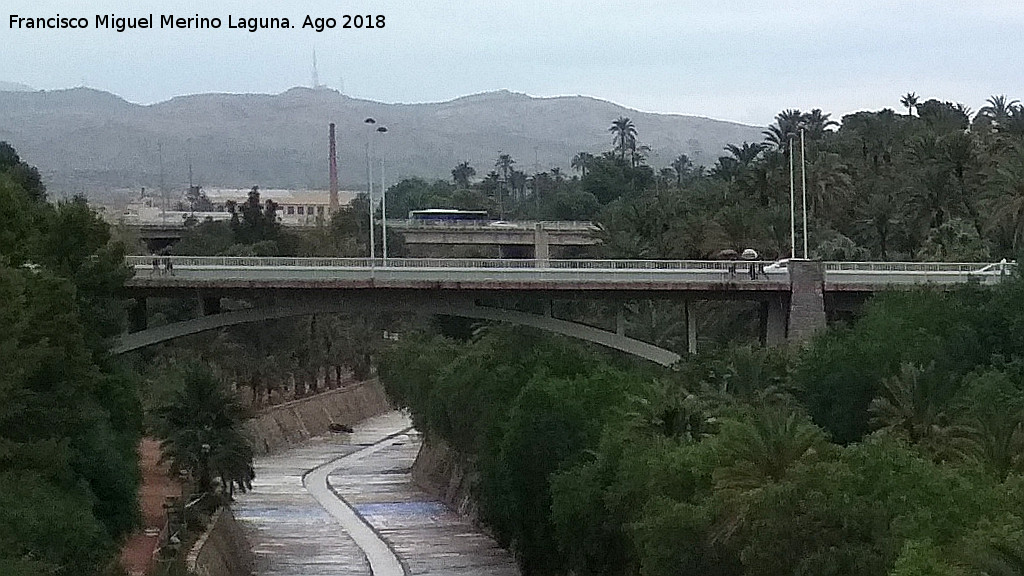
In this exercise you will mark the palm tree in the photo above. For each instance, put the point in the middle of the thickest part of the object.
(913, 407)
(760, 450)
(745, 154)
(582, 162)
(909, 101)
(1006, 197)
(999, 110)
(763, 447)
(816, 123)
(503, 163)
(200, 430)
(683, 167)
(462, 173)
(624, 135)
(786, 127)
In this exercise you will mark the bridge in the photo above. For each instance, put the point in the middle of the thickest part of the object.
(793, 296)
(510, 238)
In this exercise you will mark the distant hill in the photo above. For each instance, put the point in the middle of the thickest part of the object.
(15, 87)
(85, 140)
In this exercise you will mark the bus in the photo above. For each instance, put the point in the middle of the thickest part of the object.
(447, 215)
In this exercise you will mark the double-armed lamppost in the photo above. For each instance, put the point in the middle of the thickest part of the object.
(369, 191)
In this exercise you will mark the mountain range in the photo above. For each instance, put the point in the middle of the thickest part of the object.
(88, 141)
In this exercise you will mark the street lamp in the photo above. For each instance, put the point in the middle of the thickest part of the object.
(369, 185)
(383, 200)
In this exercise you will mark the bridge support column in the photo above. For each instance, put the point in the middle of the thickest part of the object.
(691, 326)
(773, 322)
(807, 300)
(541, 246)
(209, 305)
(620, 321)
(137, 315)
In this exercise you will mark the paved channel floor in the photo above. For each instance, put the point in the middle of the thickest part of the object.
(293, 534)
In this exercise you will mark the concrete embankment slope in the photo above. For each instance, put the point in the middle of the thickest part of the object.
(439, 471)
(295, 422)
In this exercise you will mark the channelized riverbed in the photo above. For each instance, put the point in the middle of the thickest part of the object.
(340, 503)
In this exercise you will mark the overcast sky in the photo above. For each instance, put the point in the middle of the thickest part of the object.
(741, 61)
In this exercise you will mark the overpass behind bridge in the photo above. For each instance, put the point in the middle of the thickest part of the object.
(532, 239)
(794, 297)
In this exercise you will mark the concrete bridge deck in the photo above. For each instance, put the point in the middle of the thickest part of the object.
(794, 298)
(577, 275)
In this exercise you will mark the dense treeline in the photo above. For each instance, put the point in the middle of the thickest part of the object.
(936, 183)
(70, 418)
(892, 447)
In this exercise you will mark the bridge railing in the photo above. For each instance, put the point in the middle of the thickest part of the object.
(472, 263)
(964, 267)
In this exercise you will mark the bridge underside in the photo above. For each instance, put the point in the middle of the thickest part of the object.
(451, 305)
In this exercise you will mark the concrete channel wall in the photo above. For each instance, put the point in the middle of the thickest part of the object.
(223, 549)
(289, 424)
(440, 471)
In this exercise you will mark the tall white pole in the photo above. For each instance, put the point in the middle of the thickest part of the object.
(369, 198)
(369, 184)
(803, 186)
(383, 208)
(792, 205)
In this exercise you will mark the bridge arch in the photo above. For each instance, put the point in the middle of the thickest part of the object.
(151, 336)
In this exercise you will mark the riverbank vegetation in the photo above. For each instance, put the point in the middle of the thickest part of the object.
(894, 446)
(70, 417)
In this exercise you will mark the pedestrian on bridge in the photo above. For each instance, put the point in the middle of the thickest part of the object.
(751, 255)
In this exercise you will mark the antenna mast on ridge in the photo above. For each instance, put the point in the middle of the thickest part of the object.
(316, 75)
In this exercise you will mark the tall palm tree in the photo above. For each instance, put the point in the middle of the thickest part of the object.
(909, 101)
(503, 163)
(816, 123)
(786, 127)
(624, 135)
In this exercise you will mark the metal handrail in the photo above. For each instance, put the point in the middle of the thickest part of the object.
(468, 263)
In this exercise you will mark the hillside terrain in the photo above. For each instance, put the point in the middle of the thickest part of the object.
(88, 141)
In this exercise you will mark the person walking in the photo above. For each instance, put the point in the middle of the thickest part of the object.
(751, 255)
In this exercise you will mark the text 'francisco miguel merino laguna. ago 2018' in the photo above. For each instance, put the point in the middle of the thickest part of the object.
(123, 23)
